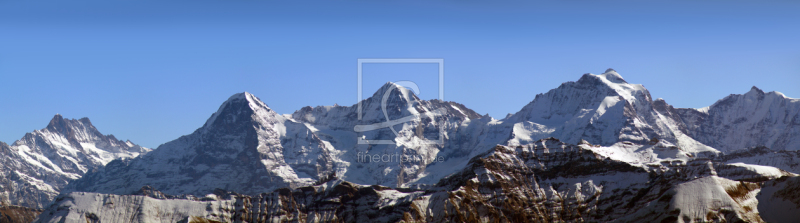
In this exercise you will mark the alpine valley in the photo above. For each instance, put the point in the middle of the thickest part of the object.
(598, 149)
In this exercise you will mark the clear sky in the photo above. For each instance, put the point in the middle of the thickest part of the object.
(151, 71)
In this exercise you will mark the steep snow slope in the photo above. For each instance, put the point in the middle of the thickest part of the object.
(245, 147)
(602, 109)
(779, 200)
(704, 199)
(36, 167)
(749, 120)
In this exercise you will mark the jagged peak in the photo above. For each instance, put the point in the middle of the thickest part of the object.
(244, 96)
(755, 90)
(587, 77)
(86, 121)
(235, 102)
(60, 124)
(57, 120)
(759, 93)
(660, 103)
(252, 101)
(408, 90)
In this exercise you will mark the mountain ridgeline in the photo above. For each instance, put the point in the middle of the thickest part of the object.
(35, 168)
(597, 149)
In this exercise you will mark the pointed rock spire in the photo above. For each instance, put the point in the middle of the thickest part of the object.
(241, 107)
(756, 90)
(406, 92)
(57, 123)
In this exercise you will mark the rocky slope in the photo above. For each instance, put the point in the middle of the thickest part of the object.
(13, 214)
(35, 168)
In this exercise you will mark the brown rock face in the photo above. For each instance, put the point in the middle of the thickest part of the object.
(17, 214)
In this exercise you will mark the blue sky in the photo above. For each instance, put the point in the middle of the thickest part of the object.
(152, 71)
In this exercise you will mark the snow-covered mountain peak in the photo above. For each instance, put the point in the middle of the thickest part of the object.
(245, 146)
(252, 101)
(78, 134)
(71, 128)
(756, 93)
(609, 77)
(405, 93)
(43, 161)
(591, 91)
(755, 90)
(232, 110)
(612, 76)
(602, 109)
(56, 123)
(747, 120)
(753, 98)
(610, 83)
(74, 136)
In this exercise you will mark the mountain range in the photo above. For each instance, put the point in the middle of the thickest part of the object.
(597, 149)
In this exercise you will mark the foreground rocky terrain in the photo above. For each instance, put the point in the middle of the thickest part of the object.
(12, 213)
